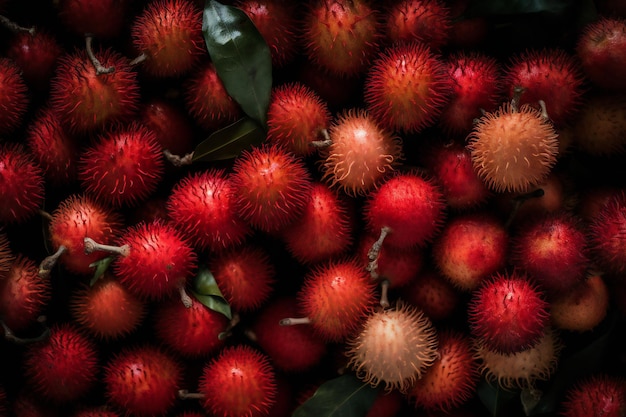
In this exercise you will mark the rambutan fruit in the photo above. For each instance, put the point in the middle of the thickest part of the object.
(241, 381)
(107, 309)
(427, 21)
(409, 206)
(123, 167)
(598, 394)
(169, 34)
(451, 165)
(290, 348)
(508, 312)
(341, 36)
(23, 294)
(606, 238)
(476, 86)
(52, 147)
(582, 307)
(433, 294)
(14, 98)
(245, 275)
(335, 298)
(153, 260)
(394, 347)
(103, 19)
(36, 54)
(142, 380)
(271, 186)
(202, 205)
(522, 369)
(467, 32)
(452, 378)
(191, 331)
(406, 87)
(86, 99)
(553, 250)
(75, 218)
(470, 248)
(361, 153)
(297, 117)
(513, 148)
(21, 184)
(63, 367)
(551, 75)
(279, 24)
(600, 128)
(325, 227)
(600, 47)
(207, 100)
(170, 124)
(6, 254)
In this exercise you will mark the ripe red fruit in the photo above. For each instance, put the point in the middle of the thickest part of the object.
(407, 87)
(107, 309)
(361, 153)
(75, 218)
(606, 239)
(239, 382)
(600, 128)
(551, 75)
(63, 367)
(410, 206)
(290, 348)
(170, 124)
(582, 307)
(103, 19)
(427, 21)
(245, 274)
(433, 294)
(552, 249)
(142, 380)
(14, 97)
(123, 167)
(190, 331)
(324, 229)
(23, 294)
(598, 394)
(271, 185)
(169, 34)
(296, 117)
(600, 48)
(394, 347)
(508, 313)
(21, 184)
(476, 86)
(86, 100)
(470, 248)
(341, 36)
(202, 205)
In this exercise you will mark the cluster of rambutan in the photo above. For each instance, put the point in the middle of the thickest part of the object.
(413, 217)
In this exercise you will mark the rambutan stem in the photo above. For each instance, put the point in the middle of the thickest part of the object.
(321, 143)
(177, 160)
(184, 394)
(91, 246)
(231, 325)
(184, 297)
(291, 321)
(517, 96)
(138, 60)
(374, 252)
(14, 27)
(100, 69)
(384, 293)
(49, 261)
(544, 110)
(11, 337)
(45, 215)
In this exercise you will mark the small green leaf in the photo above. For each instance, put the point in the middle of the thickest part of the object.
(494, 398)
(344, 396)
(101, 267)
(206, 291)
(241, 57)
(229, 141)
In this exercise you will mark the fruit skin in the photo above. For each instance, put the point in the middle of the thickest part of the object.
(6, 254)
(169, 33)
(394, 347)
(14, 99)
(37, 55)
(362, 154)
(606, 240)
(427, 21)
(433, 294)
(63, 367)
(513, 149)
(239, 382)
(598, 394)
(142, 380)
(508, 313)
(582, 307)
(406, 87)
(171, 125)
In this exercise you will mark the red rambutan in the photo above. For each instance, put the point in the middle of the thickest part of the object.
(103, 19)
(170, 124)
(607, 241)
(600, 128)
(433, 294)
(36, 54)
(598, 394)
(21, 184)
(14, 98)
(582, 307)
(427, 21)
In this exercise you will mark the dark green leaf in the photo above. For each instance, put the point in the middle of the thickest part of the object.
(241, 57)
(228, 142)
(494, 398)
(344, 396)
(206, 291)
(101, 267)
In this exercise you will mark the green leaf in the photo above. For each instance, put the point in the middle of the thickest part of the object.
(241, 57)
(494, 398)
(344, 396)
(229, 141)
(101, 267)
(206, 291)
